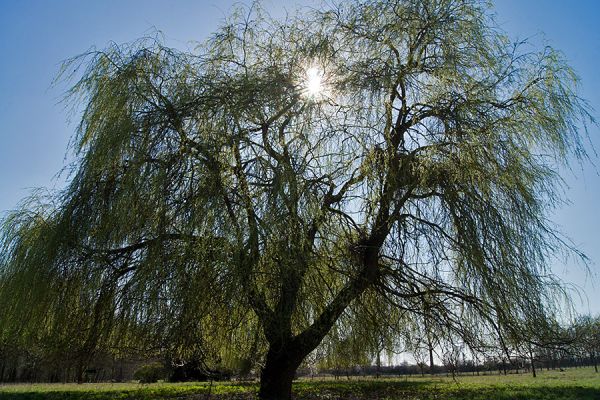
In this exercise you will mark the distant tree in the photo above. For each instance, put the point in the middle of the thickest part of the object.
(586, 338)
(343, 356)
(451, 358)
(593, 341)
(150, 373)
(292, 177)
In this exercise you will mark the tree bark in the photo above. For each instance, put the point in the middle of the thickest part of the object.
(431, 364)
(532, 364)
(278, 374)
(79, 373)
(286, 352)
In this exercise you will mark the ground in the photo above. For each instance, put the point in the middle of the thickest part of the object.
(572, 384)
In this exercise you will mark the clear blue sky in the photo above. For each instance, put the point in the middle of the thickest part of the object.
(35, 36)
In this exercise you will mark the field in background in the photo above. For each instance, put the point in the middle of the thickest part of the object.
(572, 384)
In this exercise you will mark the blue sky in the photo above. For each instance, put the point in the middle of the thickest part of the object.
(35, 36)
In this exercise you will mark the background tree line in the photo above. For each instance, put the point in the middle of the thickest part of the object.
(575, 345)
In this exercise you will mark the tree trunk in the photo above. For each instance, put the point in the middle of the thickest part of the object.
(277, 375)
(431, 364)
(286, 352)
(79, 373)
(533, 367)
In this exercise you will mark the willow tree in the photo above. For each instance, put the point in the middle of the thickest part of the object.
(294, 178)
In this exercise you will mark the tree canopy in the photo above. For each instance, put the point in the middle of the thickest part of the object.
(224, 203)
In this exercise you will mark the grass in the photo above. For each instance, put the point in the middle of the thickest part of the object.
(573, 384)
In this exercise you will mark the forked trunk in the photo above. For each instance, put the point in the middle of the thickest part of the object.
(286, 351)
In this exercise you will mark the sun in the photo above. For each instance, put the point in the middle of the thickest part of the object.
(313, 83)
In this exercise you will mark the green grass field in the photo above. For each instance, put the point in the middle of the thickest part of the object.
(572, 384)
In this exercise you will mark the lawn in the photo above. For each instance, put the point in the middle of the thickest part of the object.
(580, 384)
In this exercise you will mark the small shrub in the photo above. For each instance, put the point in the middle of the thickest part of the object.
(150, 373)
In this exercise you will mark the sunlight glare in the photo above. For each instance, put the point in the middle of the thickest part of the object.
(314, 81)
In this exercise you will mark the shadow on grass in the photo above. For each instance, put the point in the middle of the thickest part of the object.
(334, 390)
(434, 390)
(141, 394)
(522, 393)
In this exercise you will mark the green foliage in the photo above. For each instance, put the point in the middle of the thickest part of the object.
(150, 373)
(216, 209)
